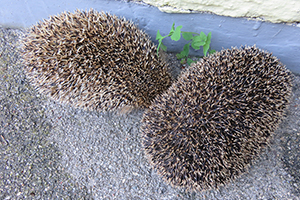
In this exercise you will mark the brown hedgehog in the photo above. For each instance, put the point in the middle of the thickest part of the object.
(210, 124)
(95, 61)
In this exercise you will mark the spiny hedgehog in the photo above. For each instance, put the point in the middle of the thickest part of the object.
(210, 124)
(94, 60)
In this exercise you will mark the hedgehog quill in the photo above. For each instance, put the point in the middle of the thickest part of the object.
(95, 61)
(209, 125)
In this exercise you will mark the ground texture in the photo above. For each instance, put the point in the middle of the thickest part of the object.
(54, 151)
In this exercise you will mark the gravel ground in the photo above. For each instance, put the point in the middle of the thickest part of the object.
(54, 151)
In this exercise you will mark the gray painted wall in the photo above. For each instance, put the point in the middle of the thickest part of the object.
(283, 40)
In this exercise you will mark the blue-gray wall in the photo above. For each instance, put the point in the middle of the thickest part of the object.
(283, 40)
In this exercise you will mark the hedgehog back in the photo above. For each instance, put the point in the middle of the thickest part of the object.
(210, 124)
(94, 60)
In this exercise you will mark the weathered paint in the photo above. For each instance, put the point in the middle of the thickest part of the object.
(268, 10)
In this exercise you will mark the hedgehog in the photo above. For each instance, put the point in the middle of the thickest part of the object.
(94, 60)
(211, 124)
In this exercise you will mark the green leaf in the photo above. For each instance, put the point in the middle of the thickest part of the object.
(179, 56)
(205, 49)
(172, 29)
(183, 61)
(198, 38)
(206, 46)
(203, 36)
(196, 45)
(160, 46)
(212, 51)
(198, 41)
(185, 52)
(158, 35)
(190, 61)
(163, 47)
(187, 35)
(177, 33)
(157, 50)
(208, 40)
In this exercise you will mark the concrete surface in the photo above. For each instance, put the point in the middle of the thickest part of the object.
(54, 151)
(281, 39)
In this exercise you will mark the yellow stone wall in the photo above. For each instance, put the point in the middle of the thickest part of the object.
(268, 10)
